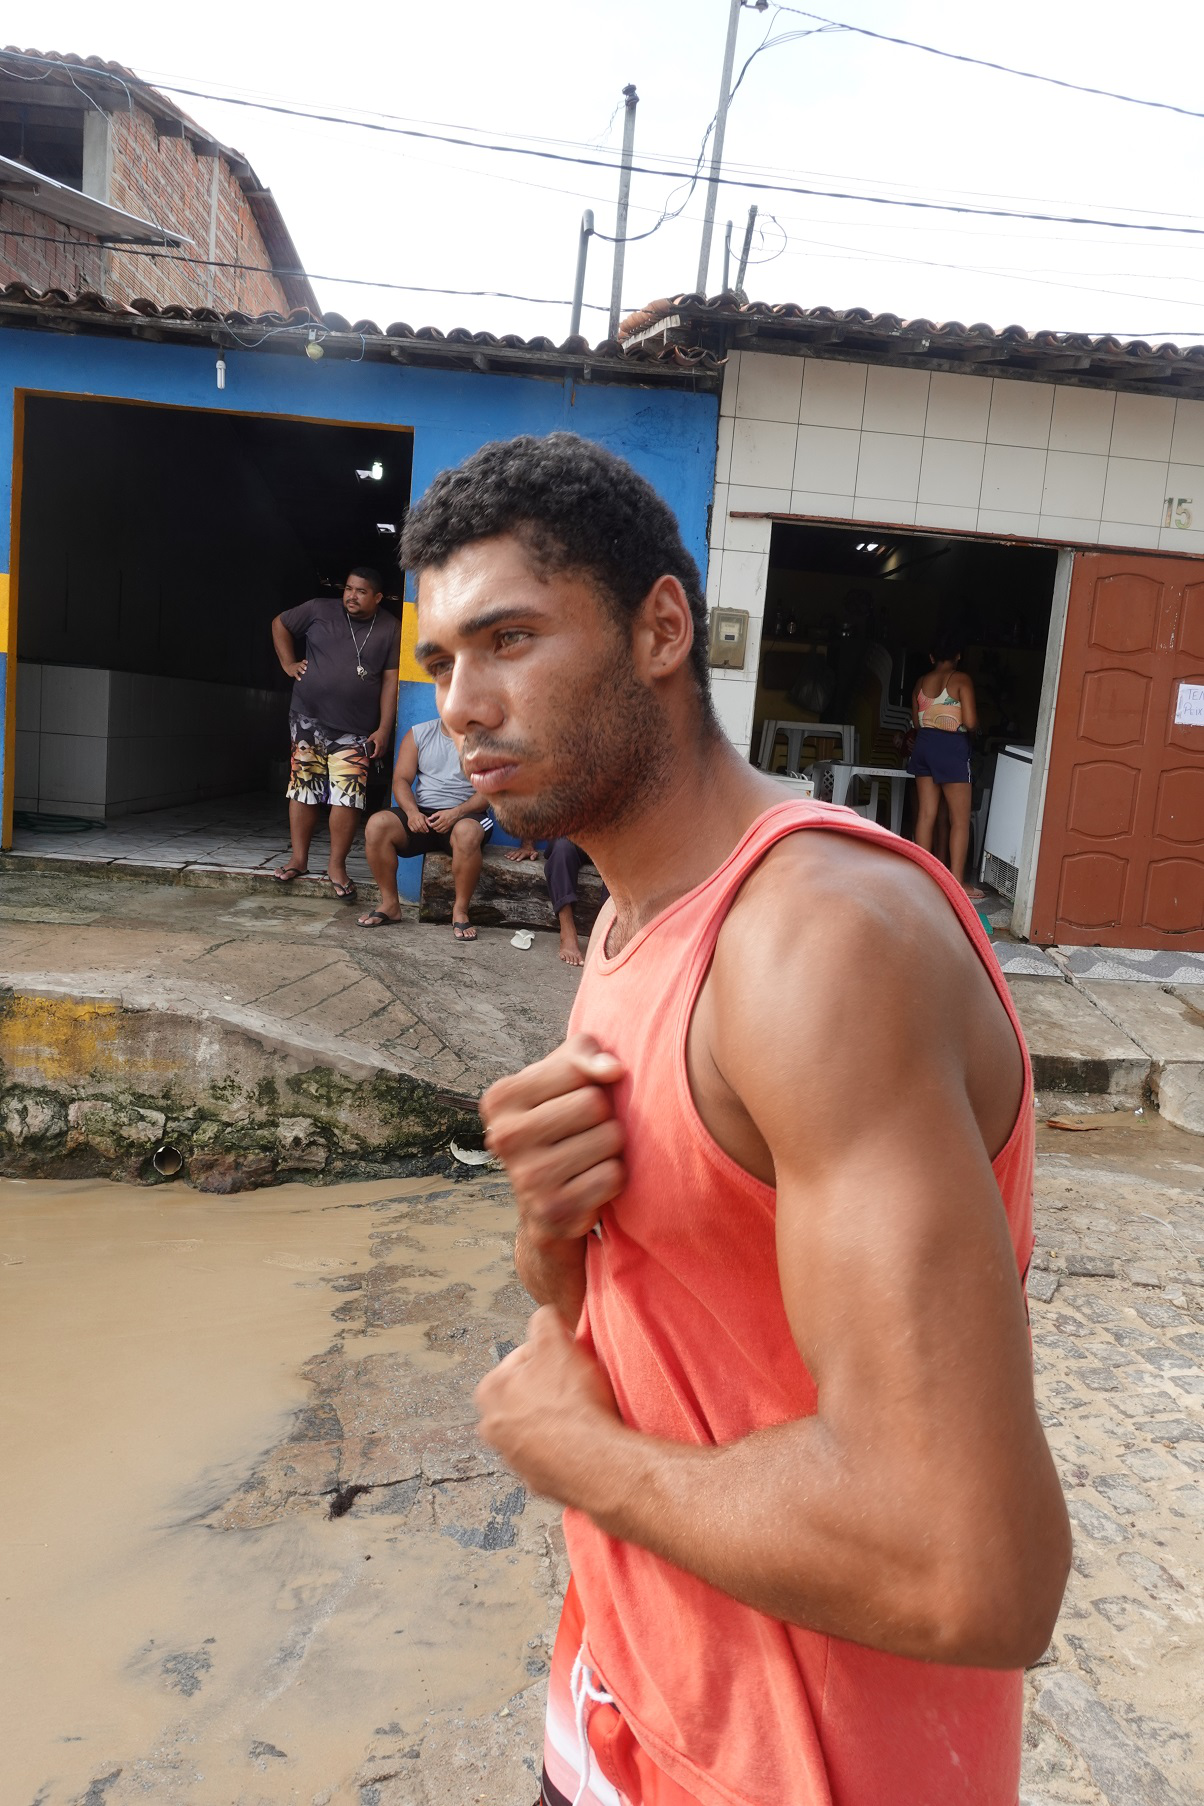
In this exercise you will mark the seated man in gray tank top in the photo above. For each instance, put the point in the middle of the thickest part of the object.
(437, 811)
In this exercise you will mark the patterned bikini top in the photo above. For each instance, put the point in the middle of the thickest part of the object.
(943, 712)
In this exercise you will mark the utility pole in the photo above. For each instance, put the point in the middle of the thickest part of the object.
(616, 280)
(727, 254)
(725, 94)
(745, 248)
(587, 232)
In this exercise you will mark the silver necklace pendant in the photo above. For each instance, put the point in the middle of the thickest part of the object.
(360, 670)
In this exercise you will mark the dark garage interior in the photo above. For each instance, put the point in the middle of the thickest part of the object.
(155, 546)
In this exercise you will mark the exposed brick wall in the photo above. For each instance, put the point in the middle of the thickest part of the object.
(161, 179)
(64, 262)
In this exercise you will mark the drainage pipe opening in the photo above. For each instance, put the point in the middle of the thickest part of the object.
(167, 1161)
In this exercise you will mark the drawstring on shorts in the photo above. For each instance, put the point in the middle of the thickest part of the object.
(582, 1689)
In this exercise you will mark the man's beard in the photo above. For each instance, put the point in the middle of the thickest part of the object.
(610, 746)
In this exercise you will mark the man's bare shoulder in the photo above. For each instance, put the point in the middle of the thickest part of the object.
(845, 958)
(824, 890)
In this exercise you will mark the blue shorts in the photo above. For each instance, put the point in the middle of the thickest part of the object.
(945, 758)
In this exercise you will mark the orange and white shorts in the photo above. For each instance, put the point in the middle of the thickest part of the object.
(591, 1757)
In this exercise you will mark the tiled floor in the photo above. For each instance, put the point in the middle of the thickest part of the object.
(238, 833)
(1165, 968)
(1022, 961)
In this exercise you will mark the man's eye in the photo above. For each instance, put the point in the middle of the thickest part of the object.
(512, 636)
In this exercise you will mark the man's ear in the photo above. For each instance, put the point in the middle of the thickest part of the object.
(664, 630)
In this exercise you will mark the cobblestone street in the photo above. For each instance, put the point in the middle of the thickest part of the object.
(306, 1582)
(1117, 1300)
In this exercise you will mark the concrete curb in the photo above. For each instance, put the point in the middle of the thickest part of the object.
(1166, 1022)
(197, 877)
(104, 1080)
(1076, 1049)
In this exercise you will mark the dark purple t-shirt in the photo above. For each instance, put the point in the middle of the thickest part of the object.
(331, 691)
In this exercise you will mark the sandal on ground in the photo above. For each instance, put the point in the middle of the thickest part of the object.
(286, 874)
(376, 918)
(975, 895)
(464, 931)
(347, 892)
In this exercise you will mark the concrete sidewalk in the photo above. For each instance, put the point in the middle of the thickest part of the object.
(259, 1036)
(263, 1037)
(1127, 1045)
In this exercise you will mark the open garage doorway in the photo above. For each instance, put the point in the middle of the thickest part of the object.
(154, 545)
(850, 616)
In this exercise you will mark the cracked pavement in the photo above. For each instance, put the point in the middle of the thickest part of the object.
(191, 1624)
(294, 963)
(1117, 1304)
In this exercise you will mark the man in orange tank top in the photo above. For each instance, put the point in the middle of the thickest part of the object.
(777, 1224)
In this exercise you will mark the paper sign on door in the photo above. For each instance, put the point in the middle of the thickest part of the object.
(1189, 707)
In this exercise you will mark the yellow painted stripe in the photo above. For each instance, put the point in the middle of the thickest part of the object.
(410, 670)
(4, 647)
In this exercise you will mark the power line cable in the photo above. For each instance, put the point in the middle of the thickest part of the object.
(265, 269)
(733, 181)
(594, 307)
(978, 62)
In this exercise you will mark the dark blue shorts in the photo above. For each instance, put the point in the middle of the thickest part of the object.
(945, 758)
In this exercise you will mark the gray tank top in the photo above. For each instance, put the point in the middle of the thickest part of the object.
(440, 783)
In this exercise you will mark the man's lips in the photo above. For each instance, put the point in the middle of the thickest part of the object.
(488, 777)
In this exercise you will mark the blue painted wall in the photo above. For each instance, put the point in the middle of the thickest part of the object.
(669, 436)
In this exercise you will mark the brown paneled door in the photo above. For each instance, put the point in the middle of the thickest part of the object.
(1121, 861)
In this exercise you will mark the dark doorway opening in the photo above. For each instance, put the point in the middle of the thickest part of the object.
(155, 546)
(850, 617)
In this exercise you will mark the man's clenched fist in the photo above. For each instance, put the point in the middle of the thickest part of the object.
(554, 1128)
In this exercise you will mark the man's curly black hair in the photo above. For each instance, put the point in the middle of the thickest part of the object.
(577, 508)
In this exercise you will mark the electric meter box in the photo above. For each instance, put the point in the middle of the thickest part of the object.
(728, 638)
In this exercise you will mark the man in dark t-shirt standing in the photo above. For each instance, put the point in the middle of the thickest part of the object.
(341, 715)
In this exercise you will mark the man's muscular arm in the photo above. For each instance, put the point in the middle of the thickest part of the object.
(918, 1511)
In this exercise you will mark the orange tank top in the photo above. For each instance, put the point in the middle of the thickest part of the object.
(684, 1312)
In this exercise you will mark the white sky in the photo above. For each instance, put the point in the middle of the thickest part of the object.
(831, 110)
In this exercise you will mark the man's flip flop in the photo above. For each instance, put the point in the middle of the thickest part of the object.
(464, 931)
(285, 874)
(376, 918)
(347, 891)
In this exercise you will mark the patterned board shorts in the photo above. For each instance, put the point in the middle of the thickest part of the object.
(326, 767)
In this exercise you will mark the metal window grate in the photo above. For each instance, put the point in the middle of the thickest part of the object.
(999, 874)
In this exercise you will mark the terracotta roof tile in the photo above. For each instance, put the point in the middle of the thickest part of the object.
(612, 361)
(720, 323)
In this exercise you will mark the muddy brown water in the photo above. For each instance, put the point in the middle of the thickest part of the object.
(155, 1350)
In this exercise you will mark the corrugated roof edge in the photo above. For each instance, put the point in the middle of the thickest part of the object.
(277, 238)
(54, 309)
(722, 323)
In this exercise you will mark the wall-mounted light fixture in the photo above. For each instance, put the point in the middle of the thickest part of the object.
(221, 369)
(313, 347)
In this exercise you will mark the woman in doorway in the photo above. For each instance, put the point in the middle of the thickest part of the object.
(945, 715)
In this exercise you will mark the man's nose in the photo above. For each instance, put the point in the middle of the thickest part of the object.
(471, 700)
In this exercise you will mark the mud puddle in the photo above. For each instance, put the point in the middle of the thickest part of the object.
(189, 1381)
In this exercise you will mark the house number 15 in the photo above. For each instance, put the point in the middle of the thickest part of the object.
(1176, 511)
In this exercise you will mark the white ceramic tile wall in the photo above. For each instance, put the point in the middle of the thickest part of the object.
(958, 407)
(889, 465)
(839, 441)
(29, 744)
(101, 743)
(75, 700)
(896, 401)
(29, 698)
